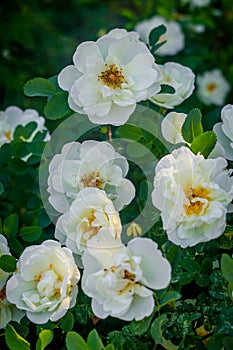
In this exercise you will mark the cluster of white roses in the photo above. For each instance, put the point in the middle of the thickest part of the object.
(88, 188)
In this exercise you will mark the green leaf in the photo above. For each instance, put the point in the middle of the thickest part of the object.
(140, 327)
(109, 347)
(25, 131)
(204, 143)
(14, 340)
(167, 89)
(192, 126)
(74, 341)
(93, 341)
(1, 188)
(45, 338)
(39, 87)
(157, 46)
(8, 263)
(17, 165)
(57, 107)
(168, 297)
(227, 267)
(202, 280)
(156, 333)
(30, 233)
(67, 322)
(156, 33)
(130, 132)
(191, 265)
(10, 225)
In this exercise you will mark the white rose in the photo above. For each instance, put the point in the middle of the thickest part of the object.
(171, 127)
(174, 35)
(224, 131)
(90, 213)
(14, 116)
(193, 195)
(110, 76)
(119, 279)
(88, 164)
(45, 283)
(212, 87)
(181, 78)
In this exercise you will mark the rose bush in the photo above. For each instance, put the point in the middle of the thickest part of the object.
(116, 213)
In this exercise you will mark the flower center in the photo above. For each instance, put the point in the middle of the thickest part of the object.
(3, 293)
(211, 87)
(48, 283)
(92, 230)
(198, 200)
(91, 180)
(8, 135)
(112, 77)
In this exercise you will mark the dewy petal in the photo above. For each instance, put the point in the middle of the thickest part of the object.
(67, 77)
(141, 71)
(116, 116)
(159, 276)
(86, 91)
(139, 308)
(83, 51)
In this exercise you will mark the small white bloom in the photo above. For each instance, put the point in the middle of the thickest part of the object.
(193, 195)
(90, 213)
(224, 131)
(45, 284)
(174, 35)
(14, 116)
(171, 127)
(197, 3)
(110, 76)
(181, 78)
(119, 279)
(88, 164)
(212, 87)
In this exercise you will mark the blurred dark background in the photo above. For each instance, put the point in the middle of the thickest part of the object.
(39, 37)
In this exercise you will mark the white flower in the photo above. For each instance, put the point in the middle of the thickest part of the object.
(110, 76)
(212, 87)
(193, 195)
(171, 127)
(90, 164)
(174, 35)
(224, 131)
(119, 279)
(181, 78)
(90, 213)
(197, 3)
(45, 283)
(14, 116)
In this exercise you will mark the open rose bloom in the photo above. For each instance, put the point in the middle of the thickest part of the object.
(110, 76)
(88, 164)
(14, 116)
(45, 283)
(120, 279)
(193, 195)
(174, 36)
(91, 213)
(181, 78)
(212, 87)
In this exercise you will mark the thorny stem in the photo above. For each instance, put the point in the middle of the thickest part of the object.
(109, 134)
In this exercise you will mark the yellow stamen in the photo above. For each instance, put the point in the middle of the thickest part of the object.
(211, 87)
(195, 207)
(112, 77)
